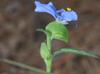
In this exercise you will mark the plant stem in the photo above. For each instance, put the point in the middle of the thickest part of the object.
(23, 66)
(48, 65)
(49, 41)
(48, 61)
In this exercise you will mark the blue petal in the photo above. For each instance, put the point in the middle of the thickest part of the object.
(59, 14)
(60, 11)
(48, 8)
(69, 16)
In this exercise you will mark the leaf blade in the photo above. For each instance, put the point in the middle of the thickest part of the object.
(58, 31)
(75, 51)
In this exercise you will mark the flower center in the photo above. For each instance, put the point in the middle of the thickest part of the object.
(68, 9)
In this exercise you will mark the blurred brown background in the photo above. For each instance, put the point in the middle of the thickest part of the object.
(19, 40)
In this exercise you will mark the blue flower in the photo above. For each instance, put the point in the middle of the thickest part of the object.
(61, 15)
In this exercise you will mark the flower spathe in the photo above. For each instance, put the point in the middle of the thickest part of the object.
(61, 15)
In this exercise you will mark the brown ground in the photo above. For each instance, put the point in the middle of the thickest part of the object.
(19, 40)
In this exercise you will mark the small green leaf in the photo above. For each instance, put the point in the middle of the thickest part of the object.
(44, 31)
(75, 51)
(47, 56)
(44, 51)
(48, 36)
(58, 31)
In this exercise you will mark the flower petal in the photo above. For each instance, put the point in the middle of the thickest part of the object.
(60, 11)
(48, 8)
(66, 16)
(69, 16)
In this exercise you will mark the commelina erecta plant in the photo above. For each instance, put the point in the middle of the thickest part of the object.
(57, 30)
(54, 30)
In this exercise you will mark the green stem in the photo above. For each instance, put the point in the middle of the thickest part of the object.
(49, 42)
(48, 65)
(48, 61)
(23, 66)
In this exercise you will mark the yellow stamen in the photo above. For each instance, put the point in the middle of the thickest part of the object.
(69, 9)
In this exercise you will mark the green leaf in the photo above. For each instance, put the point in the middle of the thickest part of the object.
(44, 31)
(48, 36)
(75, 51)
(58, 31)
(47, 56)
(44, 51)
